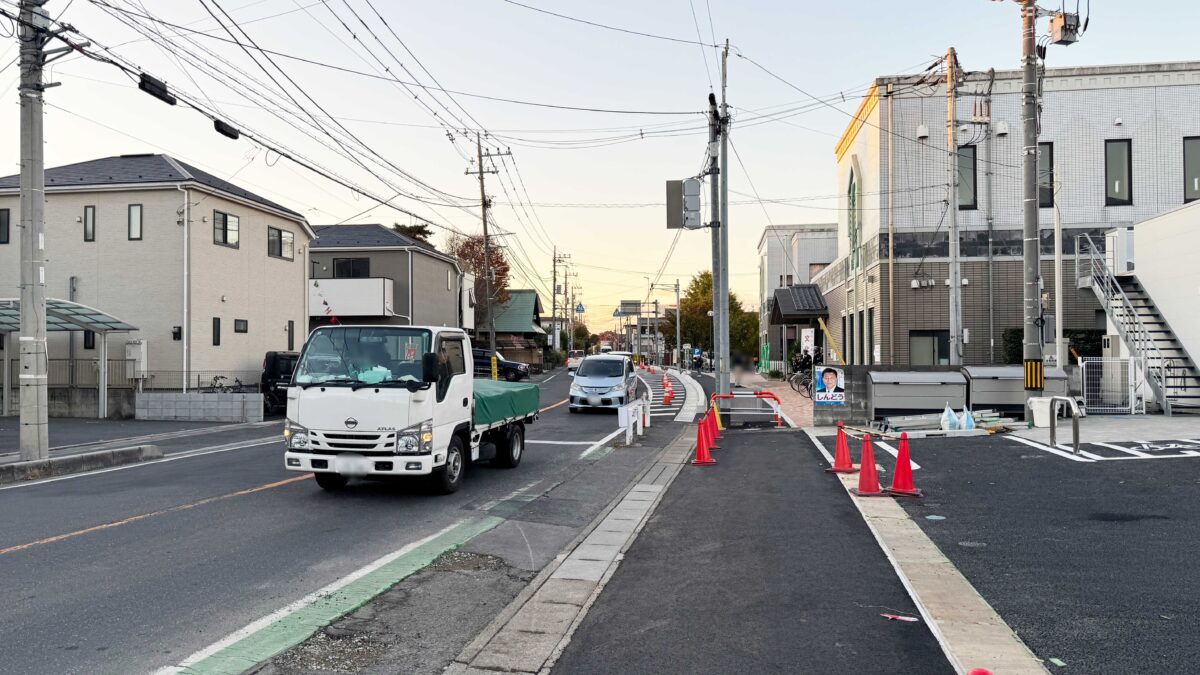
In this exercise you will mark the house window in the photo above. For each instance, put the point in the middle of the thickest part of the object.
(291, 331)
(241, 326)
(280, 243)
(861, 347)
(789, 280)
(4, 215)
(89, 223)
(135, 222)
(1045, 171)
(351, 268)
(216, 331)
(1191, 168)
(967, 193)
(1118, 172)
(89, 339)
(226, 228)
(929, 347)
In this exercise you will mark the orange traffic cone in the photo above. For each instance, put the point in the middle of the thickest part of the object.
(868, 479)
(902, 478)
(841, 457)
(702, 456)
(710, 426)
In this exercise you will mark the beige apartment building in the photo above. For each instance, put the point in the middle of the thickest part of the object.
(210, 274)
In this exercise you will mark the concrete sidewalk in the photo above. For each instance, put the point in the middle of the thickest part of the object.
(758, 564)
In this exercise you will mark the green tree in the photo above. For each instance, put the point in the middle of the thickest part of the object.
(418, 231)
(696, 324)
(581, 335)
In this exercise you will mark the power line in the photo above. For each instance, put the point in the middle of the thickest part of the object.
(360, 73)
(607, 27)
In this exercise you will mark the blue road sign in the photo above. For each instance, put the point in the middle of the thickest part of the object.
(579, 308)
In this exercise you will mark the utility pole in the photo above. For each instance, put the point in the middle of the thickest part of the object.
(956, 328)
(657, 336)
(484, 204)
(1060, 345)
(556, 341)
(1031, 244)
(33, 34)
(723, 375)
(678, 328)
(714, 174)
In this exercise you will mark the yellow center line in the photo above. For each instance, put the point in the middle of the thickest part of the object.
(549, 407)
(144, 516)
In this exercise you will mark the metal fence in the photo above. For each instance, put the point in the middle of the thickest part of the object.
(1113, 386)
(83, 373)
(204, 381)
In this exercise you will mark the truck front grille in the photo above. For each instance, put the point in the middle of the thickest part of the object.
(333, 442)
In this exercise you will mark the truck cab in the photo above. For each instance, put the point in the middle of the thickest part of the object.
(377, 401)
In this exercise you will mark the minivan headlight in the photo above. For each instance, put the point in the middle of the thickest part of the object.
(295, 437)
(417, 439)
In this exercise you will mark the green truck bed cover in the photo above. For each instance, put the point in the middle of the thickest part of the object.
(498, 401)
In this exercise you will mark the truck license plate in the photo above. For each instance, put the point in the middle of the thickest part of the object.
(352, 464)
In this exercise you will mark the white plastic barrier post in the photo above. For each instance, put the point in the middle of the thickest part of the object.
(646, 409)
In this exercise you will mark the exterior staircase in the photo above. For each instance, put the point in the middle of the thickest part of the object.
(1170, 371)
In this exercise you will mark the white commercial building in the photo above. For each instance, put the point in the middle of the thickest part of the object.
(1123, 143)
(788, 255)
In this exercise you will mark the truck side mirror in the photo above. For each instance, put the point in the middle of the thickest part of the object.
(429, 368)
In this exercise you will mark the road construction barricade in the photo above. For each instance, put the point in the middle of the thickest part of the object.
(748, 406)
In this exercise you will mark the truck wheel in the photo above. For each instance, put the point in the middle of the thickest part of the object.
(449, 477)
(511, 447)
(331, 481)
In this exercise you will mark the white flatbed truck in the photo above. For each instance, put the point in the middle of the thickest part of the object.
(380, 401)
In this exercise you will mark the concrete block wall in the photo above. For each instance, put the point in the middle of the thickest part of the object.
(200, 407)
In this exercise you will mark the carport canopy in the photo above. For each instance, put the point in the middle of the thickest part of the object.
(62, 315)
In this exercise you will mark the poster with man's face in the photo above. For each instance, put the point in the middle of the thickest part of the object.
(829, 385)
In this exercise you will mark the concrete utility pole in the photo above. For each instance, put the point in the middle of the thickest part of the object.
(678, 328)
(487, 250)
(956, 328)
(556, 340)
(714, 174)
(1060, 345)
(723, 374)
(33, 34)
(1031, 244)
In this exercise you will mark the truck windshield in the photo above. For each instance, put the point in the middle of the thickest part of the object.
(368, 355)
(601, 368)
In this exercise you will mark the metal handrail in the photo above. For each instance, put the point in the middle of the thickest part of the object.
(1128, 323)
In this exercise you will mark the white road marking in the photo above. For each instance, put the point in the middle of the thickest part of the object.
(550, 378)
(200, 452)
(896, 453)
(600, 443)
(1131, 451)
(1054, 451)
(560, 442)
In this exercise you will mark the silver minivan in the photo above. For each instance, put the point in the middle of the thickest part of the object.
(603, 381)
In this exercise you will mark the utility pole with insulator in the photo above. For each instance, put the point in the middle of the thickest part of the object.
(484, 203)
(33, 32)
(955, 276)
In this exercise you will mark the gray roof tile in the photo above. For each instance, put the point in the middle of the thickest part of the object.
(133, 169)
(364, 236)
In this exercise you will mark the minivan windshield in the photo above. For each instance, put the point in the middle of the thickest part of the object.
(601, 368)
(368, 355)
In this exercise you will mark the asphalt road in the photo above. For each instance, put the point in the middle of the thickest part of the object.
(760, 564)
(132, 569)
(1090, 563)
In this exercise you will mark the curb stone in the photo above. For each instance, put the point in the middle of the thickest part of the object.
(17, 472)
(530, 633)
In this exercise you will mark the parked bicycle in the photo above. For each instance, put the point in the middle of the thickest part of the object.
(802, 383)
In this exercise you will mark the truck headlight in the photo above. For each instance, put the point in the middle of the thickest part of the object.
(417, 439)
(295, 437)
